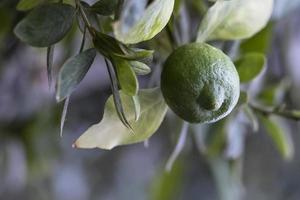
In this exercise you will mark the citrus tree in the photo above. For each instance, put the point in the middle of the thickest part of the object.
(202, 69)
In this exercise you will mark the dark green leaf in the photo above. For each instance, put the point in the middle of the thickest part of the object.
(46, 24)
(126, 76)
(107, 45)
(24, 5)
(177, 7)
(111, 47)
(72, 72)
(116, 96)
(83, 39)
(119, 9)
(140, 68)
(249, 66)
(105, 7)
(110, 132)
(280, 137)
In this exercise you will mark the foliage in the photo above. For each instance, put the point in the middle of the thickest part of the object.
(131, 36)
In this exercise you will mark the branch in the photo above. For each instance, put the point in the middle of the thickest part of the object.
(290, 114)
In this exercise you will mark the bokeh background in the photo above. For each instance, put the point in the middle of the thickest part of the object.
(37, 164)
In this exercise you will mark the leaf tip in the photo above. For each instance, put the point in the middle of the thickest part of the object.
(58, 98)
(74, 145)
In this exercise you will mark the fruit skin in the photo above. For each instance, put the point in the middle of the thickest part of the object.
(200, 83)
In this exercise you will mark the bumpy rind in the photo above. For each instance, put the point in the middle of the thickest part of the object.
(200, 83)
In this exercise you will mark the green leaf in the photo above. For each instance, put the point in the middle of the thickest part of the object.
(179, 146)
(135, 54)
(24, 5)
(105, 7)
(72, 72)
(234, 19)
(259, 43)
(274, 94)
(227, 176)
(107, 45)
(243, 99)
(110, 132)
(111, 47)
(295, 113)
(154, 19)
(212, 138)
(126, 76)
(91, 16)
(140, 68)
(63, 115)
(177, 6)
(213, 18)
(268, 96)
(46, 24)
(137, 107)
(252, 117)
(235, 138)
(215, 139)
(280, 137)
(116, 95)
(168, 185)
(249, 66)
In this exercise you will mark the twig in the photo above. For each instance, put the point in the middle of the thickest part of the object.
(290, 114)
(85, 19)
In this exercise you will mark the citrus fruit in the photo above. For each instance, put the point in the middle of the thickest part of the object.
(200, 83)
(246, 18)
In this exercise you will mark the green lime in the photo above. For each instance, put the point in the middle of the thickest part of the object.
(200, 83)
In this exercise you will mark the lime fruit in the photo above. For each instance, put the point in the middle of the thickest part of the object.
(200, 83)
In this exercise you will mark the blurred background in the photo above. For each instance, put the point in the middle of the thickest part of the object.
(37, 164)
